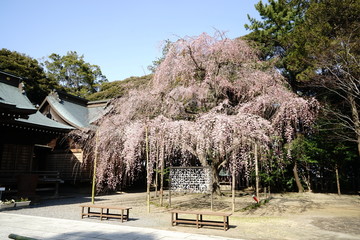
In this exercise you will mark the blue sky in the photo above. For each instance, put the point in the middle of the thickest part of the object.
(123, 37)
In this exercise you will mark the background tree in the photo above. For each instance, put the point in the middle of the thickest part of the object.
(274, 32)
(117, 89)
(37, 85)
(165, 49)
(319, 53)
(74, 74)
(332, 55)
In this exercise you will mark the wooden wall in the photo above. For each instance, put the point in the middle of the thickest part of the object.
(16, 157)
(69, 165)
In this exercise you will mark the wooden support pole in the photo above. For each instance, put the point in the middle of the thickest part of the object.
(256, 171)
(233, 188)
(162, 177)
(147, 170)
(170, 193)
(95, 162)
(157, 170)
(337, 179)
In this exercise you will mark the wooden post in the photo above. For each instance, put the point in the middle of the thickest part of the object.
(170, 191)
(212, 186)
(147, 169)
(157, 170)
(95, 161)
(337, 179)
(233, 188)
(162, 177)
(256, 171)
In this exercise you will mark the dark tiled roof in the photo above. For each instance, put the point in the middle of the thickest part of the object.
(16, 108)
(12, 100)
(75, 111)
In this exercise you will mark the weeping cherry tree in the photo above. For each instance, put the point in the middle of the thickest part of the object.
(210, 102)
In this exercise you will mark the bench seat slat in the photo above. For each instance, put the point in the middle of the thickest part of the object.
(105, 215)
(202, 213)
(104, 206)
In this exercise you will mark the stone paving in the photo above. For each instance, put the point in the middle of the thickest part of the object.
(44, 228)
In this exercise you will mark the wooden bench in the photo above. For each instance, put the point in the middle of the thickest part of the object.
(198, 218)
(100, 211)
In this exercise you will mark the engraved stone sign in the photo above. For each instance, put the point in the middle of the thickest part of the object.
(190, 179)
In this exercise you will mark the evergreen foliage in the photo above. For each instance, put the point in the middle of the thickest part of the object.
(37, 85)
(118, 89)
(274, 34)
(315, 44)
(74, 74)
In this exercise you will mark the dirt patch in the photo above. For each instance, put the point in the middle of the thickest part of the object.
(349, 225)
(285, 216)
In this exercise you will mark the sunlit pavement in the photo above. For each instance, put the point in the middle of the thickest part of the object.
(53, 228)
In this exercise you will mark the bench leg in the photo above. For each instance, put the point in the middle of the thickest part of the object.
(56, 194)
(127, 214)
(197, 220)
(226, 223)
(122, 215)
(173, 221)
(82, 212)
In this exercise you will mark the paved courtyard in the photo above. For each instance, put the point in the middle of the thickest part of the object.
(54, 228)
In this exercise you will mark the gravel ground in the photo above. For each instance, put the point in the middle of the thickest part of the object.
(288, 216)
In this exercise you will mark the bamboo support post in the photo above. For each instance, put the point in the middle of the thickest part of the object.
(94, 172)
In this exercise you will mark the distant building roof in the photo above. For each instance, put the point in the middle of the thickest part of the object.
(16, 109)
(74, 111)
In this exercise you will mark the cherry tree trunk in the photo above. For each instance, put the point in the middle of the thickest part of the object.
(297, 178)
(215, 179)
